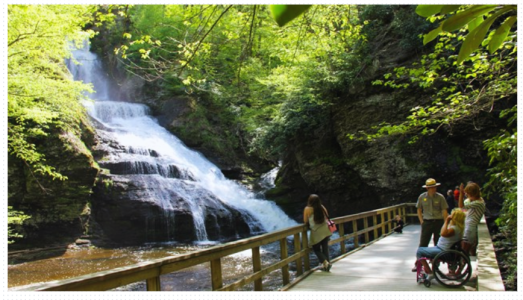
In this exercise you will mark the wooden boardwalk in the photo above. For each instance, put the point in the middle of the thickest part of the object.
(384, 265)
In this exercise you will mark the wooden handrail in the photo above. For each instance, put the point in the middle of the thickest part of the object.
(150, 271)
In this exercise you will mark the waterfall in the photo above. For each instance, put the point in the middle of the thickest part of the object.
(153, 158)
(267, 179)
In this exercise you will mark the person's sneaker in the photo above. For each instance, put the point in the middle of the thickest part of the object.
(329, 266)
(325, 266)
(414, 269)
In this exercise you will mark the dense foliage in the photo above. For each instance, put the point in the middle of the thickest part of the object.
(265, 81)
(41, 95)
(14, 218)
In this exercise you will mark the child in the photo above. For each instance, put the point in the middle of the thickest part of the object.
(399, 224)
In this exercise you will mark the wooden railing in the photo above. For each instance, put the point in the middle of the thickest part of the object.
(360, 228)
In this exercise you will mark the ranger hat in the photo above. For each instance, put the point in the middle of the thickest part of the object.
(431, 182)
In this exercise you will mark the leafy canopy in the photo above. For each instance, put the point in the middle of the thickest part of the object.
(261, 79)
(40, 91)
(41, 95)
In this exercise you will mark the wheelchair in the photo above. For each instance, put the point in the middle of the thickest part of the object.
(451, 268)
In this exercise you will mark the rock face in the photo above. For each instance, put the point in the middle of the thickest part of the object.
(57, 211)
(353, 176)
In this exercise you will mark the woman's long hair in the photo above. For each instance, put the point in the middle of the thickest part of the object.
(458, 218)
(314, 201)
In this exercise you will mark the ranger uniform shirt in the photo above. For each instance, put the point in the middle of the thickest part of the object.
(432, 206)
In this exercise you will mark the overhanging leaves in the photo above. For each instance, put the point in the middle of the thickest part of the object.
(431, 35)
(283, 14)
(475, 37)
(428, 10)
(463, 18)
(475, 23)
(447, 9)
(501, 33)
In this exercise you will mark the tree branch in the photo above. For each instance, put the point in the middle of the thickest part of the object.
(23, 36)
(249, 46)
(203, 38)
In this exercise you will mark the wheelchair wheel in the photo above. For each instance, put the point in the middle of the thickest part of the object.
(426, 283)
(452, 268)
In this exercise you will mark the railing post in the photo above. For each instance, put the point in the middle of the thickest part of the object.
(341, 232)
(388, 220)
(355, 231)
(404, 213)
(153, 284)
(305, 247)
(284, 255)
(393, 217)
(216, 274)
(256, 267)
(383, 224)
(366, 225)
(299, 267)
(374, 222)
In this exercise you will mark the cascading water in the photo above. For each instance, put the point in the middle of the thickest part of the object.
(162, 171)
(267, 179)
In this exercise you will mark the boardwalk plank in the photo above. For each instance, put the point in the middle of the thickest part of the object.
(382, 266)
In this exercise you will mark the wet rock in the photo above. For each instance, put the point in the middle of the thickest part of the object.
(55, 206)
(129, 214)
(82, 242)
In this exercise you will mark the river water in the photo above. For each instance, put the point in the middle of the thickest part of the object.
(77, 262)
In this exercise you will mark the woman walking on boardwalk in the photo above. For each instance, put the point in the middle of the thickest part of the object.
(314, 215)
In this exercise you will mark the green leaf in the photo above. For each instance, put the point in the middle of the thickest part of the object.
(475, 37)
(283, 14)
(475, 23)
(431, 35)
(449, 8)
(461, 19)
(501, 33)
(428, 10)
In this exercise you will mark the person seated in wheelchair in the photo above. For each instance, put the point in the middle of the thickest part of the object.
(451, 233)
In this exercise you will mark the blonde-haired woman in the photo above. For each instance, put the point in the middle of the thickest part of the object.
(451, 233)
(475, 209)
(314, 215)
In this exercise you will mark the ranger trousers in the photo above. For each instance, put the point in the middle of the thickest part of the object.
(428, 229)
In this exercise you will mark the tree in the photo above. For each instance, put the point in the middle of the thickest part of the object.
(40, 92)
(41, 95)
